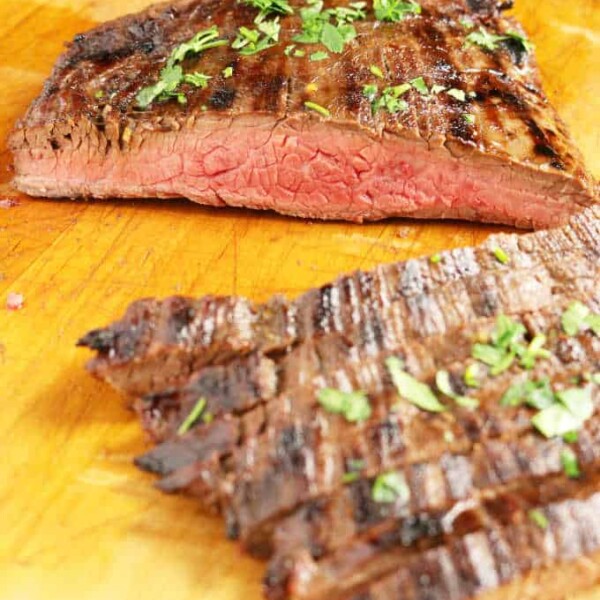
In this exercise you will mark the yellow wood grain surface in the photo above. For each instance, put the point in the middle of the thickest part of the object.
(77, 520)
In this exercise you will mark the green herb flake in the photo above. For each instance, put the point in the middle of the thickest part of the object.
(470, 119)
(484, 39)
(289, 49)
(535, 351)
(539, 518)
(571, 437)
(199, 80)
(202, 41)
(318, 56)
(578, 401)
(317, 108)
(525, 44)
(227, 72)
(331, 38)
(251, 41)
(99, 94)
(411, 389)
(578, 317)
(556, 420)
(394, 10)
(435, 259)
(442, 381)
(501, 255)
(390, 487)
(457, 94)
(192, 417)
(354, 406)
(375, 70)
(370, 91)
(350, 477)
(449, 437)
(280, 7)
(208, 417)
(535, 393)
(466, 23)
(419, 84)
(299, 53)
(489, 41)
(471, 376)
(436, 88)
(570, 464)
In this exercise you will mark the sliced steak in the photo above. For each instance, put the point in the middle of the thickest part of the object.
(500, 545)
(251, 140)
(243, 428)
(158, 345)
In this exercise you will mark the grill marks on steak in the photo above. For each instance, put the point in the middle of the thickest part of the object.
(249, 140)
(159, 344)
(272, 462)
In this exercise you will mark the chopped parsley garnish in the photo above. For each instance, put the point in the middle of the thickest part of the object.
(354, 406)
(196, 79)
(317, 108)
(419, 84)
(411, 389)
(466, 23)
(534, 351)
(389, 99)
(572, 407)
(457, 94)
(489, 41)
(353, 469)
(267, 7)
(319, 55)
(251, 41)
(318, 28)
(470, 119)
(534, 393)
(471, 376)
(390, 487)
(394, 10)
(172, 76)
(375, 70)
(227, 72)
(289, 49)
(436, 88)
(99, 94)
(506, 344)
(501, 255)
(442, 381)
(578, 317)
(192, 417)
(539, 518)
(435, 258)
(570, 463)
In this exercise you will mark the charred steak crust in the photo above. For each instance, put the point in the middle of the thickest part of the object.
(273, 463)
(513, 162)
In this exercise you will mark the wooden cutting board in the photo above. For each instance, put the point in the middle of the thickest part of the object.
(77, 520)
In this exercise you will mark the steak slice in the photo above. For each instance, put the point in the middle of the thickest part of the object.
(157, 346)
(492, 150)
(275, 463)
(500, 545)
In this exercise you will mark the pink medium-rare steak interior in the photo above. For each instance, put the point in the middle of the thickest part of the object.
(492, 150)
(310, 169)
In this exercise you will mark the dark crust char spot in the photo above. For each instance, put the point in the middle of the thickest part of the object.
(222, 98)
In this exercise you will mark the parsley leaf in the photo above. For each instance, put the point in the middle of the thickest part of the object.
(192, 417)
(266, 7)
(470, 119)
(196, 79)
(520, 39)
(411, 389)
(536, 393)
(578, 317)
(484, 39)
(457, 94)
(389, 99)
(534, 351)
(471, 376)
(570, 463)
(442, 381)
(539, 518)
(251, 41)
(375, 70)
(394, 10)
(419, 84)
(354, 406)
(331, 38)
(227, 72)
(572, 408)
(318, 56)
(501, 255)
(390, 487)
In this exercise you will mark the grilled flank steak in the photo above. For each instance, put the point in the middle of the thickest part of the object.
(432, 110)
(429, 429)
